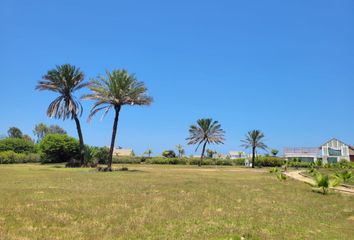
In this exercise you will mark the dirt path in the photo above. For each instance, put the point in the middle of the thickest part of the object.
(298, 176)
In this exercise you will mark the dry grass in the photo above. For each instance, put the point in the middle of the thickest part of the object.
(165, 202)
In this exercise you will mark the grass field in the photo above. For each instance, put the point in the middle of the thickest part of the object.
(166, 202)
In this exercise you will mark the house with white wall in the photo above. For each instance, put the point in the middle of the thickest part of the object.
(330, 152)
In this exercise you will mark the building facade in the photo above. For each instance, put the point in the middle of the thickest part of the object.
(332, 151)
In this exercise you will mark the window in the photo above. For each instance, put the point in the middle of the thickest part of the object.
(334, 152)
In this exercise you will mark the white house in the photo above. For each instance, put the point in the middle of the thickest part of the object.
(334, 151)
(330, 152)
(305, 154)
(121, 152)
(237, 154)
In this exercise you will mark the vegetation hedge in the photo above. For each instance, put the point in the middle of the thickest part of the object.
(177, 161)
(17, 145)
(300, 164)
(56, 148)
(7, 157)
(127, 160)
(269, 161)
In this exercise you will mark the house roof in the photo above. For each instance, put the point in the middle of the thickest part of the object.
(301, 151)
(338, 141)
(122, 152)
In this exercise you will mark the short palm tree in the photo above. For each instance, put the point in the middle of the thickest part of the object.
(65, 80)
(116, 89)
(274, 152)
(206, 131)
(325, 182)
(148, 152)
(180, 150)
(254, 140)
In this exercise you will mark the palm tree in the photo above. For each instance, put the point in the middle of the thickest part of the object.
(205, 132)
(65, 80)
(180, 150)
(324, 182)
(254, 140)
(116, 89)
(274, 152)
(148, 152)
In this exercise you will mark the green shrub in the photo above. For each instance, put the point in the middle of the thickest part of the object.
(344, 176)
(346, 164)
(127, 160)
(56, 148)
(325, 182)
(239, 161)
(319, 162)
(282, 176)
(161, 160)
(269, 162)
(13, 157)
(17, 145)
(97, 154)
(300, 164)
(169, 154)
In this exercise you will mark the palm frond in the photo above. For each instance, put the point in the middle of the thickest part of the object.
(64, 80)
(115, 89)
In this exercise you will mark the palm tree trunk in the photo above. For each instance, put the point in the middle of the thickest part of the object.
(202, 156)
(81, 140)
(253, 156)
(114, 133)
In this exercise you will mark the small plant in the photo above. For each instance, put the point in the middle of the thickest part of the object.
(274, 170)
(324, 182)
(319, 162)
(344, 176)
(312, 171)
(282, 177)
(345, 164)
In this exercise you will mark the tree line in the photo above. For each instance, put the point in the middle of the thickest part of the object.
(112, 91)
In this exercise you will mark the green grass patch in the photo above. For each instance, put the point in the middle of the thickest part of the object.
(165, 202)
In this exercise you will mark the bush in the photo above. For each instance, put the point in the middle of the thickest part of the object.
(269, 162)
(97, 155)
(56, 148)
(160, 160)
(13, 157)
(346, 164)
(17, 145)
(300, 164)
(127, 160)
(169, 154)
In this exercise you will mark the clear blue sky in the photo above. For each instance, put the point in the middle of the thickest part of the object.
(285, 67)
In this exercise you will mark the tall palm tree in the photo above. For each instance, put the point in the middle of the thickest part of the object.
(180, 150)
(254, 140)
(116, 89)
(205, 132)
(65, 80)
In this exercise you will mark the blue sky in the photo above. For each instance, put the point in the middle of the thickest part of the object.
(285, 67)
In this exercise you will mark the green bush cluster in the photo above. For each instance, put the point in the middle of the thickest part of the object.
(17, 145)
(97, 154)
(300, 164)
(56, 148)
(177, 161)
(10, 156)
(268, 161)
(127, 160)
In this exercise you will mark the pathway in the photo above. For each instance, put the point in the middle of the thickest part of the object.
(298, 176)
